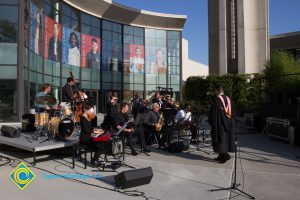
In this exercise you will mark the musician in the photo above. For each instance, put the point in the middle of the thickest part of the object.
(169, 110)
(120, 119)
(111, 111)
(157, 99)
(183, 119)
(46, 89)
(152, 119)
(68, 91)
(136, 104)
(85, 137)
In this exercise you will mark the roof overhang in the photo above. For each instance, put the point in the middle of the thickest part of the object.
(106, 9)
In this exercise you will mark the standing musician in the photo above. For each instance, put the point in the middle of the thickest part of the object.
(86, 131)
(67, 90)
(169, 110)
(46, 89)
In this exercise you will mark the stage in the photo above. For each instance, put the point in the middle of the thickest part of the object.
(26, 142)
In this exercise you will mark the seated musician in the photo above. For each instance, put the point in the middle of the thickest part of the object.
(120, 119)
(183, 120)
(152, 119)
(46, 89)
(86, 131)
(169, 110)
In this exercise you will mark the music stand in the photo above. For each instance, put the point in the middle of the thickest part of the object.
(123, 144)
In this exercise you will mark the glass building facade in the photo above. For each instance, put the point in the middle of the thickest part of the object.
(45, 41)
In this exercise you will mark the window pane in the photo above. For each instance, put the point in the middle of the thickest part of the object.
(8, 72)
(95, 22)
(95, 31)
(107, 35)
(173, 35)
(8, 53)
(8, 14)
(138, 31)
(128, 30)
(85, 29)
(85, 18)
(138, 40)
(128, 39)
(12, 2)
(66, 10)
(117, 27)
(161, 34)
(106, 25)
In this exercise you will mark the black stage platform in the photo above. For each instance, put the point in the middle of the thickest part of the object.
(26, 142)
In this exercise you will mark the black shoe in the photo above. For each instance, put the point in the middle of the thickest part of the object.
(133, 152)
(223, 160)
(227, 156)
(146, 150)
(218, 158)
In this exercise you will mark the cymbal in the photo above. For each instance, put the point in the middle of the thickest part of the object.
(46, 100)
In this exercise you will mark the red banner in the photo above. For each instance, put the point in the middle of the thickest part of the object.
(52, 39)
(90, 51)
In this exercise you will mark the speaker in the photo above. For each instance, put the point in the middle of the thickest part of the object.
(133, 178)
(28, 123)
(10, 131)
(178, 146)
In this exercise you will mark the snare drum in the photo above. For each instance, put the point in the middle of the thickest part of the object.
(61, 129)
(41, 119)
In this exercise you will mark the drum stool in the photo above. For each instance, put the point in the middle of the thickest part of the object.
(81, 149)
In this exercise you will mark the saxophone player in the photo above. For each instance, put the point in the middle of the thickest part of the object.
(153, 118)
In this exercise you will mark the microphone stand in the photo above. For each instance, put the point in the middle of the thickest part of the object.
(234, 185)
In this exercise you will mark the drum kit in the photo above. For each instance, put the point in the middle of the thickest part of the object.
(59, 124)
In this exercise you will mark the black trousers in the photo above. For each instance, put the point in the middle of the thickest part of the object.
(98, 147)
(166, 136)
(129, 136)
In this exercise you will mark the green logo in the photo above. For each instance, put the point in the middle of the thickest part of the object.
(22, 176)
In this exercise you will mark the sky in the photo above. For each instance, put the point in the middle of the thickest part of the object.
(284, 17)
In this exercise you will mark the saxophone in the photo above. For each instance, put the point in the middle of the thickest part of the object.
(160, 122)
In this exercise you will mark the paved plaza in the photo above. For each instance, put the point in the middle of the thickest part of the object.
(267, 169)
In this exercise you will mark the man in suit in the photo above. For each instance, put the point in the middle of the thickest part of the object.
(67, 90)
(93, 57)
(54, 45)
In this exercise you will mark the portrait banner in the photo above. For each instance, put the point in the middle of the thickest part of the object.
(70, 47)
(52, 39)
(137, 57)
(90, 51)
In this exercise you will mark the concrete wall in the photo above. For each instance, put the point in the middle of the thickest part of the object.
(252, 24)
(217, 36)
(253, 35)
(190, 67)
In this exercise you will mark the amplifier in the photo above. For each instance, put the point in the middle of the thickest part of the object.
(280, 128)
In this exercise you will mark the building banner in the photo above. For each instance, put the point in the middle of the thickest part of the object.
(70, 47)
(52, 39)
(136, 58)
(156, 60)
(90, 51)
(36, 29)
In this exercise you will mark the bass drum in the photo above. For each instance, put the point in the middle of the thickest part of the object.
(61, 129)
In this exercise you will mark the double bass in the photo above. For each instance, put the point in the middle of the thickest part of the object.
(79, 98)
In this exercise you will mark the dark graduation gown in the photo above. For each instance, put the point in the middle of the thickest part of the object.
(221, 127)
